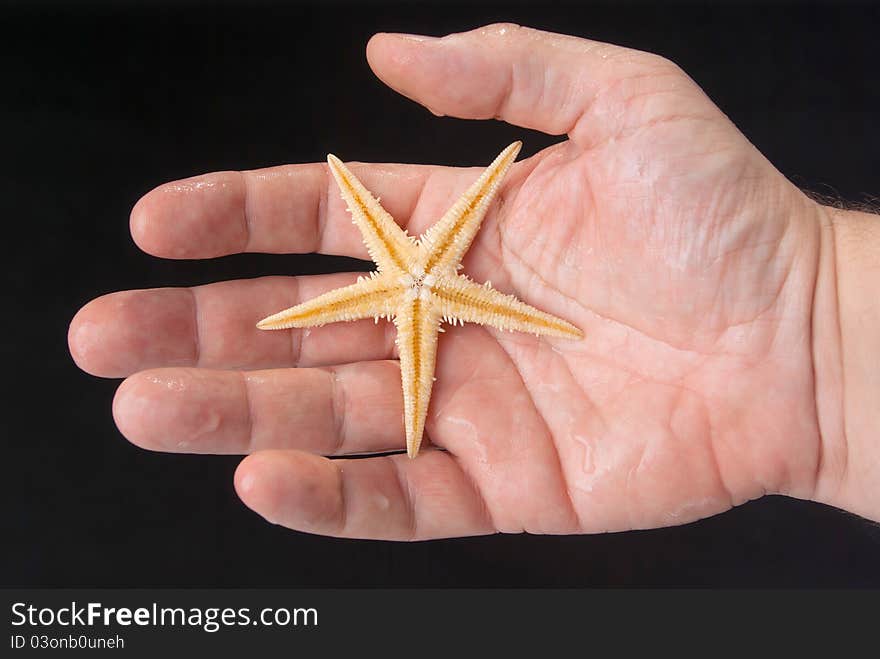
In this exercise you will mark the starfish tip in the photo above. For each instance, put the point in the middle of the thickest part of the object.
(334, 162)
(513, 149)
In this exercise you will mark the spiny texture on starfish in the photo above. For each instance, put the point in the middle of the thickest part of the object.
(417, 284)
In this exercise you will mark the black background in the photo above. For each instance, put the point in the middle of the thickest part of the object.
(101, 103)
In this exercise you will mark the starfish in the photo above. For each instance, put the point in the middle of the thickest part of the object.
(417, 284)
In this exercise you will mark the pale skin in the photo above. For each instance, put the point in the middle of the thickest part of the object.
(731, 323)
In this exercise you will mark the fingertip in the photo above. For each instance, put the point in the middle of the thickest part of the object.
(184, 410)
(157, 411)
(375, 51)
(375, 42)
(197, 217)
(117, 334)
(128, 412)
(80, 340)
(88, 339)
(292, 488)
(141, 416)
(253, 485)
(139, 223)
(392, 55)
(383, 45)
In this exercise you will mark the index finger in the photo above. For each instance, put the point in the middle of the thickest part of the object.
(284, 209)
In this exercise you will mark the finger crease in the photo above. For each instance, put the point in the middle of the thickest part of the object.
(417, 199)
(337, 402)
(343, 503)
(251, 423)
(197, 352)
(296, 335)
(484, 505)
(246, 211)
(506, 93)
(408, 499)
(321, 212)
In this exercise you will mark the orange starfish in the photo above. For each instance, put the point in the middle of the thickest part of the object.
(417, 284)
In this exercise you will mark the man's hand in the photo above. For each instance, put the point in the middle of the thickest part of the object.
(656, 227)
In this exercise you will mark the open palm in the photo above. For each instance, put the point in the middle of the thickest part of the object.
(685, 257)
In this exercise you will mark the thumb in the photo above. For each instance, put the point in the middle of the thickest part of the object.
(526, 77)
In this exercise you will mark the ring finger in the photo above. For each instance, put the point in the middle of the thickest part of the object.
(355, 408)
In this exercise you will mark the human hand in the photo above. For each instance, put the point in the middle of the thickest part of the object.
(687, 259)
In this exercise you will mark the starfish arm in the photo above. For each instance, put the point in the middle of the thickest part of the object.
(370, 297)
(389, 246)
(460, 299)
(417, 326)
(450, 237)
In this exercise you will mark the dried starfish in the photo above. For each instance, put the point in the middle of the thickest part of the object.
(417, 284)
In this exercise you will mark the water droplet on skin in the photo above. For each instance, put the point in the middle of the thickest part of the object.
(172, 384)
(383, 503)
(206, 425)
(589, 475)
(189, 186)
(467, 430)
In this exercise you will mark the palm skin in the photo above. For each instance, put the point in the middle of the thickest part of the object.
(685, 257)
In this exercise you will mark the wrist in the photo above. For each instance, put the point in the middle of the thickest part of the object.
(846, 359)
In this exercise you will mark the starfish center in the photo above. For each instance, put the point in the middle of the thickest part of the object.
(418, 284)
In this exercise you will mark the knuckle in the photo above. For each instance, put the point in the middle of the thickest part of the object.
(501, 30)
(644, 62)
(663, 65)
(668, 69)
